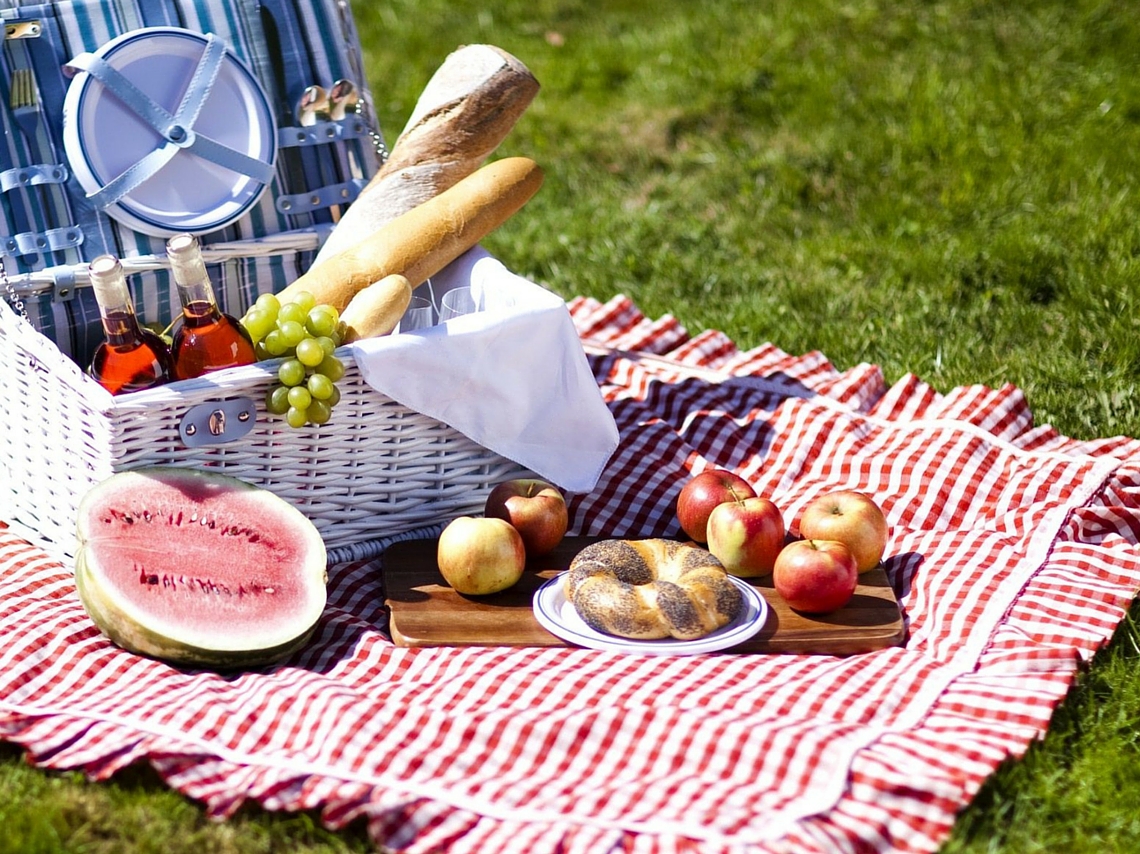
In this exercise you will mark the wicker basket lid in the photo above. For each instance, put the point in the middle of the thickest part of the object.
(167, 130)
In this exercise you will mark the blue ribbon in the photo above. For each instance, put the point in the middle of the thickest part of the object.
(177, 129)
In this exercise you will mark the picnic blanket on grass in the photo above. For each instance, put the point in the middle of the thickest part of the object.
(1012, 551)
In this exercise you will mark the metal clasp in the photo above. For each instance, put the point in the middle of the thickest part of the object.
(216, 422)
(23, 30)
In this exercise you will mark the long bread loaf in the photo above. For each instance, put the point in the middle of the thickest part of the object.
(377, 309)
(466, 110)
(421, 242)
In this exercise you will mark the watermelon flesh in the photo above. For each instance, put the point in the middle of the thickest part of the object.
(198, 569)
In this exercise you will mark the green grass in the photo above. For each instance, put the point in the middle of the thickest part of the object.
(45, 813)
(942, 188)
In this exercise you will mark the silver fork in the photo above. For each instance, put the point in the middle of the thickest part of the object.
(24, 101)
(25, 104)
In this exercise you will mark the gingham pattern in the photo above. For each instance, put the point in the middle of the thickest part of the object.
(1012, 549)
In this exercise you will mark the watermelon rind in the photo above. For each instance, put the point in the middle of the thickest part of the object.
(249, 634)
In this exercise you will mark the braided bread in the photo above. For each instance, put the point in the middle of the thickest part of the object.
(651, 589)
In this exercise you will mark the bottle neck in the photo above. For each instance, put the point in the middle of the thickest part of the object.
(189, 271)
(199, 295)
(116, 308)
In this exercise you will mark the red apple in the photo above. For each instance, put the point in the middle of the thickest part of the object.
(853, 519)
(746, 535)
(702, 493)
(535, 508)
(815, 576)
(478, 556)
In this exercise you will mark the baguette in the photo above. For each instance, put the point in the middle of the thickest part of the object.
(420, 243)
(463, 114)
(467, 108)
(377, 308)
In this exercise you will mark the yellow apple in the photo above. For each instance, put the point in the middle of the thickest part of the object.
(478, 556)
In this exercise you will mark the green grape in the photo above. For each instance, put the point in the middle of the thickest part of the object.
(307, 335)
(292, 332)
(319, 412)
(310, 352)
(274, 344)
(260, 351)
(277, 401)
(290, 311)
(291, 373)
(331, 367)
(299, 397)
(296, 417)
(322, 320)
(269, 304)
(320, 387)
(305, 300)
(258, 323)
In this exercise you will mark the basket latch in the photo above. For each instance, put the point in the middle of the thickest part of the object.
(217, 421)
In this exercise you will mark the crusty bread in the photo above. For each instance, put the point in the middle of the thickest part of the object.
(463, 114)
(651, 589)
(376, 309)
(422, 241)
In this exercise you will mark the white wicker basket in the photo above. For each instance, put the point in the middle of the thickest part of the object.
(376, 470)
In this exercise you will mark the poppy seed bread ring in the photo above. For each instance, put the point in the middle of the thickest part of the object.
(651, 589)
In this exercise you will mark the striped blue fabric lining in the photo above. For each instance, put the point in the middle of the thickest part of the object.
(315, 41)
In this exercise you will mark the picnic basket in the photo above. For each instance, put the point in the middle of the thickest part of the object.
(377, 470)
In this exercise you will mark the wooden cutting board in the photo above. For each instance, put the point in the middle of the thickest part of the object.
(425, 611)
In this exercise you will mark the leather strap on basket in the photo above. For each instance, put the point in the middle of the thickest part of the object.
(177, 130)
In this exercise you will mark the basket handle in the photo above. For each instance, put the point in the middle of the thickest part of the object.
(31, 284)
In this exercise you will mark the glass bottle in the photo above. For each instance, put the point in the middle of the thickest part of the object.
(205, 338)
(132, 357)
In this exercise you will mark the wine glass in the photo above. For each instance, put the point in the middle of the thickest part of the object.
(419, 314)
(457, 302)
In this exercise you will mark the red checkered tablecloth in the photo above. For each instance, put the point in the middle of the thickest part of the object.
(1012, 549)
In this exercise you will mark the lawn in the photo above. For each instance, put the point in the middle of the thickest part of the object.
(947, 189)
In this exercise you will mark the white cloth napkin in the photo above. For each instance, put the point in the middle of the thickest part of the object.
(513, 377)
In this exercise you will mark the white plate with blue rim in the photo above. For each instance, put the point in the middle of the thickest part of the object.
(104, 137)
(557, 615)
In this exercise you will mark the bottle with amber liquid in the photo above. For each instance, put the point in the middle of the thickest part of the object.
(131, 357)
(205, 338)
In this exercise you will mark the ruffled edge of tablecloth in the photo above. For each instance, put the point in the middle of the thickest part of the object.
(918, 822)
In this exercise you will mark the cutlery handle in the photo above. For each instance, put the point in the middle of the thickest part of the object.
(288, 59)
(44, 56)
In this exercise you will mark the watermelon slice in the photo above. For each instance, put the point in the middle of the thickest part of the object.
(198, 569)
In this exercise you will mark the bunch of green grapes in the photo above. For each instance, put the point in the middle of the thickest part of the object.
(303, 335)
